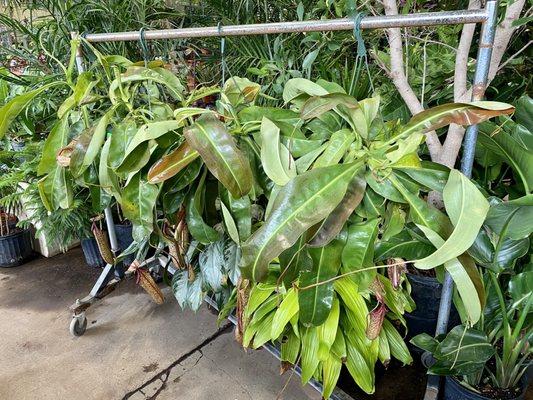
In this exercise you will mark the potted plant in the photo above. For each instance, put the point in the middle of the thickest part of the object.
(491, 359)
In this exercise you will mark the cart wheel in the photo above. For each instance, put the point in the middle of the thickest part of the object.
(78, 325)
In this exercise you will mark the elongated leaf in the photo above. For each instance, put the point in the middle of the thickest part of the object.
(359, 250)
(517, 156)
(304, 201)
(106, 176)
(334, 222)
(296, 86)
(55, 189)
(97, 141)
(466, 288)
(275, 158)
(121, 136)
(327, 332)
(195, 222)
(331, 370)
(211, 260)
(338, 144)
(520, 288)
(57, 139)
(139, 143)
(397, 345)
(318, 105)
(358, 367)
(241, 212)
(420, 212)
(172, 163)
(209, 137)
(402, 246)
(138, 202)
(316, 302)
(467, 208)
(456, 113)
(309, 353)
(431, 175)
(84, 84)
(10, 110)
(290, 348)
(286, 310)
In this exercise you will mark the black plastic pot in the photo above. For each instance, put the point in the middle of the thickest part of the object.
(426, 292)
(453, 390)
(92, 253)
(15, 249)
(125, 238)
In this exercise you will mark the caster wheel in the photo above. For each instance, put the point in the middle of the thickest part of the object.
(78, 325)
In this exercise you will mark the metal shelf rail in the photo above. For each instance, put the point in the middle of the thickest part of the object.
(486, 16)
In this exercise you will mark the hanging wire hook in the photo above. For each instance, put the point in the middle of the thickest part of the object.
(222, 48)
(144, 45)
(361, 48)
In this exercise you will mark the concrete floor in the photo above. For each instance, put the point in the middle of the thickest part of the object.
(133, 349)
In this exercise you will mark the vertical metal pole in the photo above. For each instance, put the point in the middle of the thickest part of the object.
(107, 212)
(486, 43)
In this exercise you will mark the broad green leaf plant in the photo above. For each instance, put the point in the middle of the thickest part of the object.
(312, 210)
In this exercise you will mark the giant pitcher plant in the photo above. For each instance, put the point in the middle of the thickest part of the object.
(322, 198)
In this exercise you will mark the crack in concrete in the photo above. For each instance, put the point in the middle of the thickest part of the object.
(164, 374)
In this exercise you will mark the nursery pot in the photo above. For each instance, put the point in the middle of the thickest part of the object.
(426, 292)
(453, 390)
(125, 238)
(16, 248)
(92, 253)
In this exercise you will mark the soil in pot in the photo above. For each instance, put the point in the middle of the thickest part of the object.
(15, 248)
(453, 390)
(92, 253)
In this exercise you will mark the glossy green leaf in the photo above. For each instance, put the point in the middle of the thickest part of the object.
(209, 137)
(85, 82)
(327, 332)
(172, 163)
(397, 345)
(517, 156)
(304, 201)
(195, 222)
(331, 370)
(309, 353)
(338, 145)
(10, 110)
(520, 288)
(211, 261)
(290, 348)
(362, 374)
(139, 143)
(467, 208)
(97, 140)
(318, 105)
(456, 113)
(293, 260)
(425, 342)
(55, 189)
(359, 250)
(402, 246)
(465, 286)
(296, 86)
(241, 211)
(334, 222)
(432, 175)
(516, 215)
(316, 302)
(138, 203)
(286, 310)
(275, 158)
(106, 176)
(56, 140)
(121, 135)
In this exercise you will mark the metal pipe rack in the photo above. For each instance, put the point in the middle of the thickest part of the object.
(487, 17)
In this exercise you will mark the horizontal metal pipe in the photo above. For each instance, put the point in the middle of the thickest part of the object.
(343, 24)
